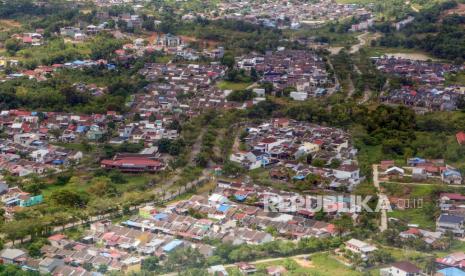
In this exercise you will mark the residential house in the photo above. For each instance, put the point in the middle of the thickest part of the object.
(48, 265)
(278, 270)
(451, 223)
(13, 256)
(133, 163)
(360, 247)
(402, 268)
(450, 271)
(247, 159)
(218, 270)
(246, 268)
(451, 176)
(454, 260)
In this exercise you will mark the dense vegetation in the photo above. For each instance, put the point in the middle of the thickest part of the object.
(434, 31)
(59, 94)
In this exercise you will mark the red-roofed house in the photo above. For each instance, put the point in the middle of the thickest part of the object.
(132, 163)
(460, 138)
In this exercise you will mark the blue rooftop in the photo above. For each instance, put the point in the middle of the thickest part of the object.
(417, 160)
(240, 197)
(57, 162)
(160, 216)
(451, 172)
(172, 245)
(223, 208)
(131, 223)
(299, 177)
(81, 129)
(451, 271)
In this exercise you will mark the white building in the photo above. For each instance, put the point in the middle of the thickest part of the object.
(401, 269)
(299, 96)
(360, 247)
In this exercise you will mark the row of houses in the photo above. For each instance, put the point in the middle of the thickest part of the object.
(134, 163)
(426, 97)
(303, 70)
(288, 15)
(187, 89)
(424, 72)
(266, 197)
(81, 34)
(280, 143)
(44, 72)
(429, 91)
(420, 169)
(14, 199)
(26, 147)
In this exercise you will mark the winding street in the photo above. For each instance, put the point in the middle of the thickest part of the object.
(384, 219)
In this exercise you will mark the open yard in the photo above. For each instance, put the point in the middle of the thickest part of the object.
(227, 85)
(321, 264)
(398, 52)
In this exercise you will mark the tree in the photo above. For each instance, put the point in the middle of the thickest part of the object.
(69, 198)
(185, 258)
(318, 163)
(194, 272)
(102, 268)
(16, 230)
(241, 95)
(268, 86)
(12, 46)
(150, 263)
(272, 231)
(232, 168)
(88, 266)
(290, 264)
(101, 186)
(228, 60)
(202, 159)
(343, 224)
(380, 256)
(253, 74)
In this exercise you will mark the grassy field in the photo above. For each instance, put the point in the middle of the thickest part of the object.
(319, 265)
(164, 59)
(227, 85)
(335, 38)
(54, 50)
(455, 79)
(133, 183)
(402, 52)
(361, 2)
(413, 216)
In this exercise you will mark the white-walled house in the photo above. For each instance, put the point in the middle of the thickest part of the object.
(350, 172)
(247, 159)
(402, 268)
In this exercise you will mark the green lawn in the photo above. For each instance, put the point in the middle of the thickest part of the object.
(355, 1)
(413, 216)
(321, 264)
(457, 246)
(404, 254)
(455, 79)
(335, 38)
(54, 50)
(75, 146)
(325, 265)
(134, 183)
(227, 85)
(380, 51)
(164, 59)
